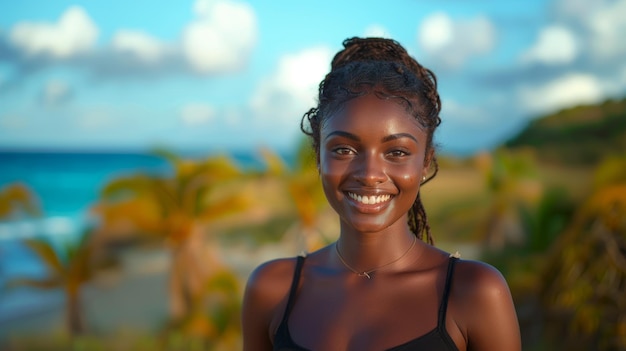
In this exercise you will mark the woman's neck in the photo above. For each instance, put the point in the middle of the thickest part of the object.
(364, 251)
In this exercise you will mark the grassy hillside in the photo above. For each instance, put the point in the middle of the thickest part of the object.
(581, 135)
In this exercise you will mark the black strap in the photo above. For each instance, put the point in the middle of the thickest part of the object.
(441, 323)
(294, 287)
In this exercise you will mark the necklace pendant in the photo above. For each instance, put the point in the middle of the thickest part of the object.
(364, 274)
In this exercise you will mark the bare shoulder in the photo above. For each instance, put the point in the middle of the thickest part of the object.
(483, 307)
(266, 292)
(271, 280)
(479, 280)
(274, 269)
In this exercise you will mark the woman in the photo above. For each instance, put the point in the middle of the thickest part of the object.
(382, 285)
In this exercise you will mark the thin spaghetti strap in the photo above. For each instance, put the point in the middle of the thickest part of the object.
(294, 287)
(441, 323)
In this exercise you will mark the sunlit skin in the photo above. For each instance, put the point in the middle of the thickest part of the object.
(373, 147)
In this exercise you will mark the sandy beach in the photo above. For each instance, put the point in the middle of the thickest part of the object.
(131, 299)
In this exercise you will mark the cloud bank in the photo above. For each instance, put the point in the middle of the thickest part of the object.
(219, 40)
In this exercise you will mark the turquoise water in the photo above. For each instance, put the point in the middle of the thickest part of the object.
(66, 184)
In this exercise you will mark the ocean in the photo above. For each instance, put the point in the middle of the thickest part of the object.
(66, 185)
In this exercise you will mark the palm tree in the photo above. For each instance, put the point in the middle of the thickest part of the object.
(509, 181)
(179, 209)
(216, 320)
(305, 191)
(68, 268)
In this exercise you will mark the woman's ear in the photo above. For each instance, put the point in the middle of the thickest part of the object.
(428, 160)
(317, 162)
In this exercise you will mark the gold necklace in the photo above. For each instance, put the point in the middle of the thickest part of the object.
(368, 272)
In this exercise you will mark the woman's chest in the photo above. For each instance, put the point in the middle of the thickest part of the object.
(374, 318)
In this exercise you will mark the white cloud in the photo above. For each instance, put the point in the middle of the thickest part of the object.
(292, 89)
(73, 34)
(567, 91)
(602, 22)
(436, 32)
(376, 30)
(55, 92)
(454, 112)
(555, 45)
(608, 26)
(195, 114)
(222, 38)
(575, 9)
(143, 46)
(453, 42)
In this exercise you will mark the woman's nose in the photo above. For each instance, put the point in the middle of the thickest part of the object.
(369, 170)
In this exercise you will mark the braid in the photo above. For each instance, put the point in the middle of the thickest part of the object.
(385, 68)
(418, 221)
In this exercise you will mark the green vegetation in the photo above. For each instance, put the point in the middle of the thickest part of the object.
(178, 212)
(548, 209)
(581, 135)
(68, 269)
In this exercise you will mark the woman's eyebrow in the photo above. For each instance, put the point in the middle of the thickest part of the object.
(343, 134)
(398, 136)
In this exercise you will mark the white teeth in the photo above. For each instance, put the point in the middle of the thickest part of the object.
(369, 200)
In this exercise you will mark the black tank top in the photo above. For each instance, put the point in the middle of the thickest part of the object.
(435, 340)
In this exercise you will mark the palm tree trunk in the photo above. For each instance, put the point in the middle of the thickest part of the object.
(191, 266)
(74, 319)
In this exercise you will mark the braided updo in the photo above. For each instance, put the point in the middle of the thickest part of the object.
(384, 68)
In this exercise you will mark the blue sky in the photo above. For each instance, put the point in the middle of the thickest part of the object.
(232, 75)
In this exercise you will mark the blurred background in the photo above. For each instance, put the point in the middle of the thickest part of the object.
(150, 158)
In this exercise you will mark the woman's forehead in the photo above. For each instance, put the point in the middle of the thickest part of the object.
(372, 113)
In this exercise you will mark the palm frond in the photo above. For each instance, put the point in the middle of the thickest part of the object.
(47, 254)
(16, 198)
(223, 207)
(274, 164)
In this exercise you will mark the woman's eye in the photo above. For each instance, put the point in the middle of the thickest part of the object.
(343, 151)
(398, 153)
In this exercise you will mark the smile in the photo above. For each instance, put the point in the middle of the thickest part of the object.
(369, 200)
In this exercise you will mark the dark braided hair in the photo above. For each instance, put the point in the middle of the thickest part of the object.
(382, 67)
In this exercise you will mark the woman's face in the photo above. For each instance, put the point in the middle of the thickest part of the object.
(372, 159)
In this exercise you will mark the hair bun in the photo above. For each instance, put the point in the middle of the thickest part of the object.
(365, 49)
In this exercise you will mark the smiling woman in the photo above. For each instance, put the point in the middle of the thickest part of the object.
(382, 285)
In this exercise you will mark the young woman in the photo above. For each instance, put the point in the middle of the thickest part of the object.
(382, 285)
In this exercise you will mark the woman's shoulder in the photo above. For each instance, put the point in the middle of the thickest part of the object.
(272, 277)
(482, 306)
(266, 294)
(481, 298)
(477, 278)
(275, 277)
